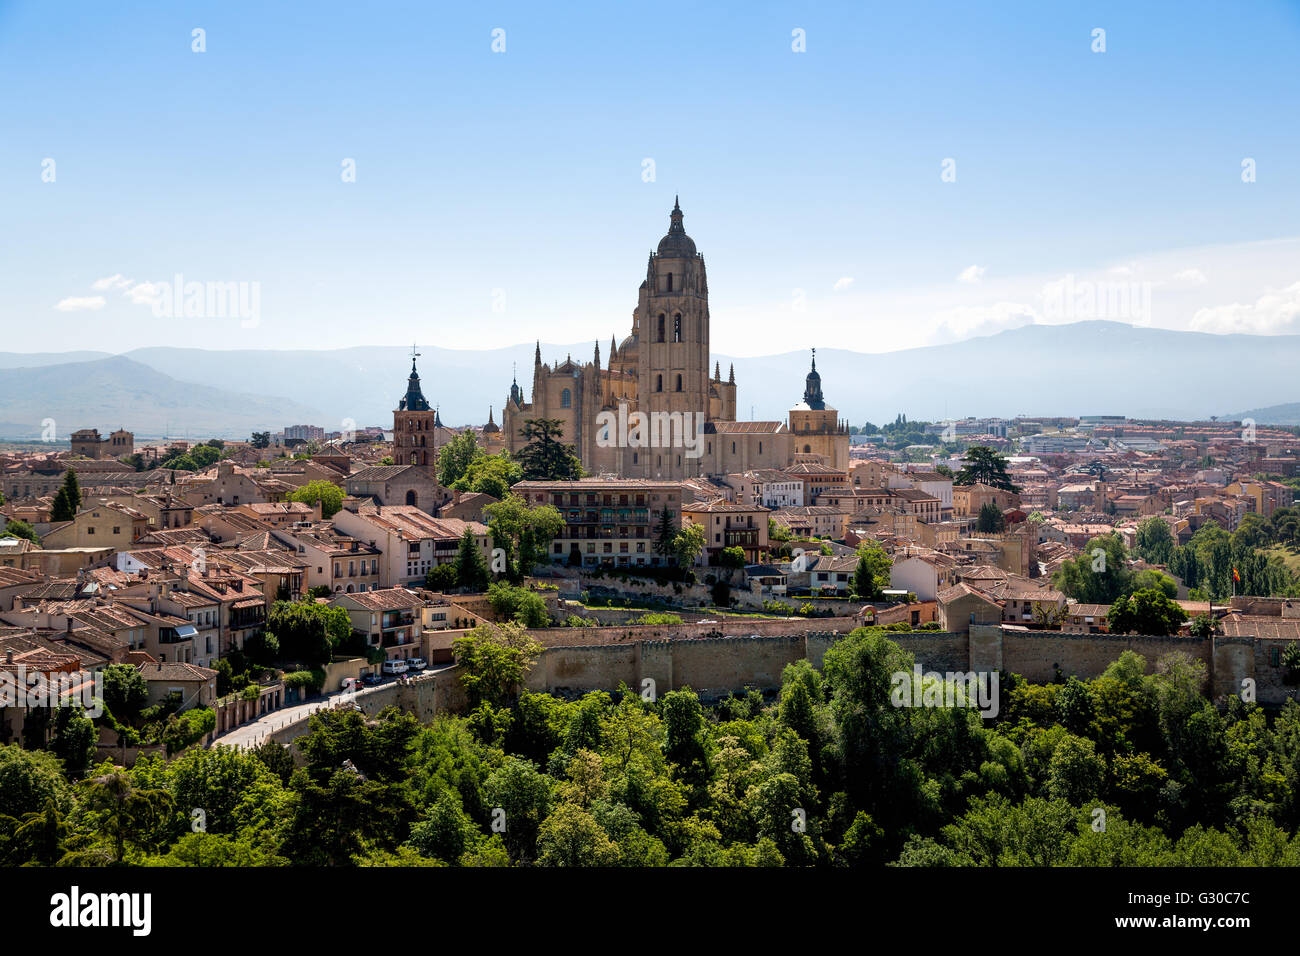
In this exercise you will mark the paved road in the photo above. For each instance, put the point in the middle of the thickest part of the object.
(255, 731)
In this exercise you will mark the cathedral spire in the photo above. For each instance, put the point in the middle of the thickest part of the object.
(731, 377)
(597, 355)
(537, 356)
(717, 371)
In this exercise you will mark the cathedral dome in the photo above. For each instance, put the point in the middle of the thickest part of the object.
(676, 244)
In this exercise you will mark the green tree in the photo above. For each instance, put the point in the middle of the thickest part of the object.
(471, 567)
(688, 544)
(260, 439)
(455, 457)
(525, 531)
(1155, 542)
(124, 813)
(441, 577)
(571, 836)
(490, 475)
(308, 633)
(871, 576)
(665, 534)
(983, 465)
(73, 488)
(990, 519)
(545, 457)
(125, 691)
(1097, 576)
(62, 509)
(523, 796)
(519, 605)
(445, 832)
(493, 660)
(30, 778)
(1145, 612)
(327, 493)
(74, 741)
(21, 529)
(732, 557)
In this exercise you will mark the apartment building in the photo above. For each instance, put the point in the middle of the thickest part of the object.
(607, 521)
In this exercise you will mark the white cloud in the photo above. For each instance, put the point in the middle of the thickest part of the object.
(1192, 276)
(1275, 312)
(89, 303)
(116, 281)
(963, 322)
(843, 283)
(971, 274)
(143, 293)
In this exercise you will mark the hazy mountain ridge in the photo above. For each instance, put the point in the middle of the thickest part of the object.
(116, 391)
(1077, 369)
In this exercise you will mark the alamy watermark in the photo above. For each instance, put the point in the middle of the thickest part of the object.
(978, 689)
(684, 430)
(1084, 299)
(30, 689)
(209, 300)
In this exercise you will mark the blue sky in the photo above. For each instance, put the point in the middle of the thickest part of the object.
(810, 181)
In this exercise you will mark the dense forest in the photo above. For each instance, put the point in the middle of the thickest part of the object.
(1130, 768)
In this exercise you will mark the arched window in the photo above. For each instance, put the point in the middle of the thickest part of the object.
(566, 399)
(679, 383)
(670, 282)
(659, 383)
(807, 448)
(411, 497)
(660, 337)
(677, 327)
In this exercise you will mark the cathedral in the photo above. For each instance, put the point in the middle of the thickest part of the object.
(661, 370)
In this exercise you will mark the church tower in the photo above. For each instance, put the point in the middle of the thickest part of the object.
(415, 427)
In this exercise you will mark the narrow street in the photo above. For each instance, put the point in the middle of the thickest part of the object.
(255, 731)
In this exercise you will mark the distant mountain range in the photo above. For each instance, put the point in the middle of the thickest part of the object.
(1288, 414)
(1097, 368)
(112, 392)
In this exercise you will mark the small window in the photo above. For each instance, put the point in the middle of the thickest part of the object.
(679, 383)
(660, 336)
(566, 399)
(677, 327)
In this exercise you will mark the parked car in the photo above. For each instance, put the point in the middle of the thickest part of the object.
(351, 683)
(370, 680)
(416, 663)
(394, 667)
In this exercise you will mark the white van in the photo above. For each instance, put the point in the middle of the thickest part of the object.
(394, 667)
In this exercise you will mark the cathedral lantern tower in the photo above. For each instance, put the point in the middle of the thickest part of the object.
(671, 327)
